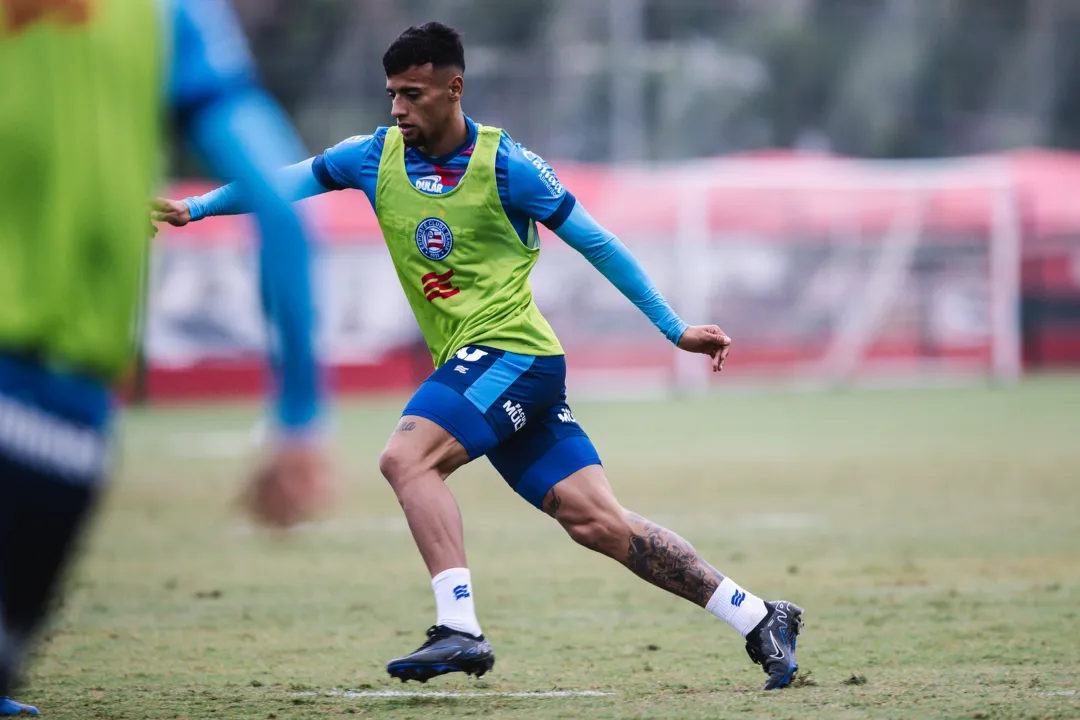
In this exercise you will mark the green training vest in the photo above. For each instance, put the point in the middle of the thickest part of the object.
(80, 87)
(461, 263)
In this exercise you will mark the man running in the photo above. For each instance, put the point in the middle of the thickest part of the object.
(458, 204)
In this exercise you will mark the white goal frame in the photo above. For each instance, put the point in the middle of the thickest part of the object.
(859, 322)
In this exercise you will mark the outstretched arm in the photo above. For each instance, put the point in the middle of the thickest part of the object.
(293, 182)
(531, 188)
(352, 163)
(608, 255)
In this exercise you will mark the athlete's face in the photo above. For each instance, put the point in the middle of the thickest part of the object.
(424, 101)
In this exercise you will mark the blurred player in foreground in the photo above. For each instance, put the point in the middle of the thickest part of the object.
(79, 141)
(458, 205)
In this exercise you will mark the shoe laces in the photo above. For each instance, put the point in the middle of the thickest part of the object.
(436, 633)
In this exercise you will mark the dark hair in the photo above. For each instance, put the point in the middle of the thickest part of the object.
(431, 42)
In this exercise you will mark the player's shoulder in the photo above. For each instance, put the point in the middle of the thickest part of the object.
(376, 138)
(524, 161)
(508, 145)
(357, 151)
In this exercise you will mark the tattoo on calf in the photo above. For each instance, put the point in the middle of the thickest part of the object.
(666, 560)
(406, 426)
(551, 502)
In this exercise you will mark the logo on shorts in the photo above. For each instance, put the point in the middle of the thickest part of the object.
(567, 417)
(517, 415)
(434, 239)
(470, 354)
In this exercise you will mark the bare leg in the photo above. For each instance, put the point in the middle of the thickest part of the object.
(585, 506)
(587, 509)
(668, 561)
(416, 462)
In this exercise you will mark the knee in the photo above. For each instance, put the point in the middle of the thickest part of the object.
(598, 530)
(395, 465)
(589, 533)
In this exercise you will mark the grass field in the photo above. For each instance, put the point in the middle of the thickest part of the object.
(933, 538)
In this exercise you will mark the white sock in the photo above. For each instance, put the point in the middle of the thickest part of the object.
(454, 600)
(737, 607)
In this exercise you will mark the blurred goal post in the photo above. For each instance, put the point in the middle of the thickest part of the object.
(825, 272)
(880, 231)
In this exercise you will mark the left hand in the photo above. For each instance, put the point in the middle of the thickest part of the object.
(707, 340)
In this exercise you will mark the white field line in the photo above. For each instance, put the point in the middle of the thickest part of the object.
(439, 694)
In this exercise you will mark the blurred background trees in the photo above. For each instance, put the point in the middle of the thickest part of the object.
(609, 80)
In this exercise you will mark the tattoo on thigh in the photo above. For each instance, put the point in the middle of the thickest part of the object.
(551, 502)
(406, 426)
(666, 560)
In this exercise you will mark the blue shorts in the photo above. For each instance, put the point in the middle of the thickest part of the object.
(513, 409)
(53, 458)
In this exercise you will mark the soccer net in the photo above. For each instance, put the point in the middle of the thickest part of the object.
(823, 271)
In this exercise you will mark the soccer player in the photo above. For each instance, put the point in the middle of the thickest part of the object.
(79, 137)
(458, 204)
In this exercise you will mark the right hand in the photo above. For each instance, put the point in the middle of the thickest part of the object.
(291, 486)
(174, 212)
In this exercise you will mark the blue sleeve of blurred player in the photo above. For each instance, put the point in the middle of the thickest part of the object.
(534, 189)
(210, 54)
(243, 134)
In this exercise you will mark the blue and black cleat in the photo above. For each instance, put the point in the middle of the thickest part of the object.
(10, 708)
(445, 651)
(772, 643)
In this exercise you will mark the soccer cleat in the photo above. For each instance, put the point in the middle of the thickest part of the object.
(772, 643)
(445, 651)
(10, 708)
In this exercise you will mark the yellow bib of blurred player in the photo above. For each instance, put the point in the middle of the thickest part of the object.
(80, 86)
(462, 265)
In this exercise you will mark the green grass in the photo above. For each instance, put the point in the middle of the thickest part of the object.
(933, 538)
